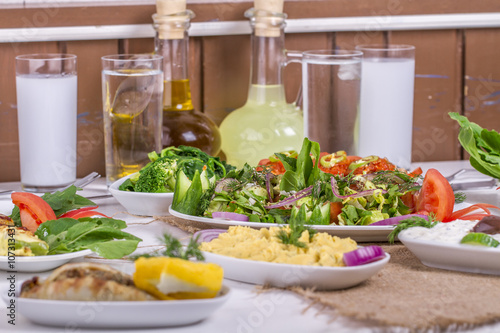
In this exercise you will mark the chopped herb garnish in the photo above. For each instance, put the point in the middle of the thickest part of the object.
(460, 197)
(414, 221)
(175, 249)
(296, 228)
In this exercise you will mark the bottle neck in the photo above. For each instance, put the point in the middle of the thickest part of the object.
(267, 60)
(175, 57)
(267, 56)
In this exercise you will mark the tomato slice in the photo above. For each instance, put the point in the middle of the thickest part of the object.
(276, 167)
(335, 210)
(33, 209)
(436, 196)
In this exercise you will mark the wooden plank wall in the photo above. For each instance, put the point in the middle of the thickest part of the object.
(456, 70)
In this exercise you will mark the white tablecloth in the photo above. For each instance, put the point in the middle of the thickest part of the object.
(247, 310)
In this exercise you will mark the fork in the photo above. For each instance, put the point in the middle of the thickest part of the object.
(78, 183)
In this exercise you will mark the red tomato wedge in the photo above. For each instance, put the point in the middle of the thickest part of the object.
(436, 196)
(33, 209)
(82, 212)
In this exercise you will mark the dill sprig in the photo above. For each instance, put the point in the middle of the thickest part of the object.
(413, 221)
(291, 237)
(175, 249)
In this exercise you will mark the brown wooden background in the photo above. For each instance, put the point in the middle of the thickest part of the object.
(456, 70)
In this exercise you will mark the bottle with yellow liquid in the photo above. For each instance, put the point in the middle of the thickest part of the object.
(266, 124)
(182, 124)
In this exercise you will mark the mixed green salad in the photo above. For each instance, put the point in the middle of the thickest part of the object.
(303, 191)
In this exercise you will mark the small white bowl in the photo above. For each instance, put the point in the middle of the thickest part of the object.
(142, 203)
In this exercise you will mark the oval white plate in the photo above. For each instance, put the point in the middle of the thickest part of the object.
(286, 275)
(141, 203)
(357, 233)
(456, 257)
(146, 314)
(39, 263)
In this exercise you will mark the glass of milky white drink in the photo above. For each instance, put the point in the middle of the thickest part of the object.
(386, 108)
(132, 92)
(46, 86)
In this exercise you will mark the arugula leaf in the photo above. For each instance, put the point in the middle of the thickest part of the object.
(413, 221)
(101, 235)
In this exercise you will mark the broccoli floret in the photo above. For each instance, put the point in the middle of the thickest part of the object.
(157, 177)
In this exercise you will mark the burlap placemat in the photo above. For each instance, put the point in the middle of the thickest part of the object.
(406, 293)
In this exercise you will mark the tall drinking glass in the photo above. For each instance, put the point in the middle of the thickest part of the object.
(132, 92)
(330, 93)
(46, 87)
(386, 115)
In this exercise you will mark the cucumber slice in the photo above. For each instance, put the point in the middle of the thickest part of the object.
(476, 238)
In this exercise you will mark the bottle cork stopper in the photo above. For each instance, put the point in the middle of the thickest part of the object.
(273, 6)
(267, 26)
(169, 7)
(170, 26)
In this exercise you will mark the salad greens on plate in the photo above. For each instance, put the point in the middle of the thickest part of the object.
(303, 191)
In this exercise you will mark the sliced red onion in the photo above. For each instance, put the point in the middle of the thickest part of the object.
(268, 187)
(396, 219)
(208, 234)
(354, 195)
(230, 216)
(291, 199)
(363, 255)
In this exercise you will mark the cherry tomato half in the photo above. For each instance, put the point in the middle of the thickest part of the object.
(436, 196)
(33, 209)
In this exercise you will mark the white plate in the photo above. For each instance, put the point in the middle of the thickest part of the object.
(457, 257)
(142, 203)
(39, 263)
(140, 314)
(357, 233)
(286, 275)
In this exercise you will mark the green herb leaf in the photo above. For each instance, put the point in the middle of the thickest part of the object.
(175, 249)
(414, 221)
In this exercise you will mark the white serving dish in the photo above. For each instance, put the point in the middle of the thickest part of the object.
(118, 315)
(39, 263)
(286, 275)
(361, 233)
(456, 257)
(141, 203)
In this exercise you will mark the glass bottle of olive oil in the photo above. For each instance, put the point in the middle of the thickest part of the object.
(182, 124)
(266, 124)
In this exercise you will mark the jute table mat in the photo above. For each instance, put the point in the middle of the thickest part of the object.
(406, 293)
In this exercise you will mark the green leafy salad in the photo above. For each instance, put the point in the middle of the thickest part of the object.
(303, 192)
(159, 176)
(102, 235)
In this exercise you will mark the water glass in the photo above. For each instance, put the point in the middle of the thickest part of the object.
(46, 88)
(331, 94)
(132, 91)
(386, 115)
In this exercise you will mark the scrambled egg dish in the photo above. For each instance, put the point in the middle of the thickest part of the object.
(263, 245)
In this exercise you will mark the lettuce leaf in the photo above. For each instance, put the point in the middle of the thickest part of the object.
(482, 145)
